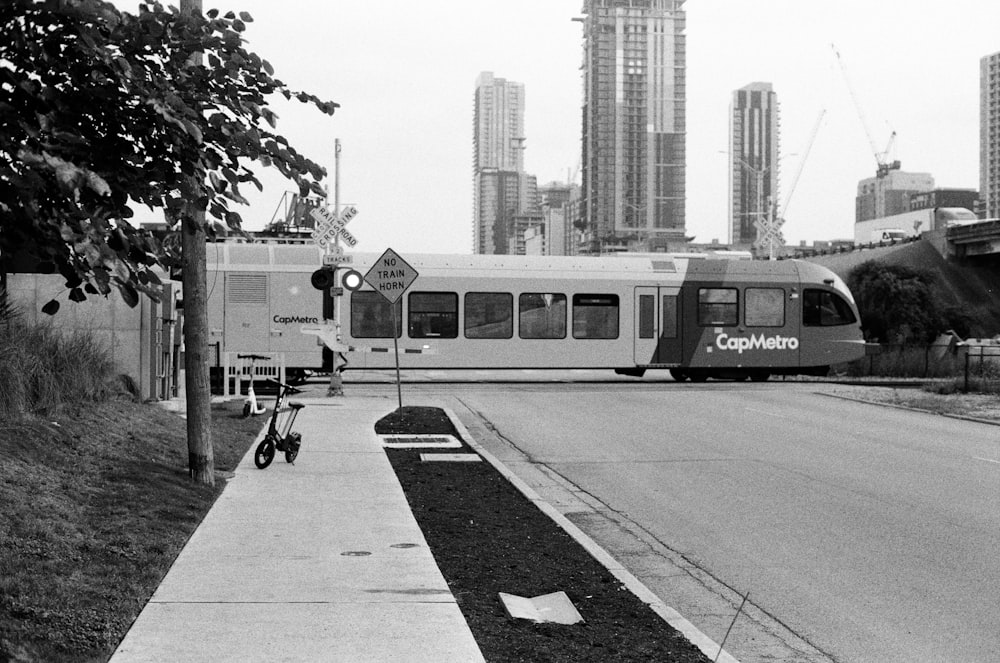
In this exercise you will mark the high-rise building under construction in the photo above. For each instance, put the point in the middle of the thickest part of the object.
(989, 136)
(633, 123)
(754, 143)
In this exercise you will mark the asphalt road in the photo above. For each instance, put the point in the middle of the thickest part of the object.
(861, 533)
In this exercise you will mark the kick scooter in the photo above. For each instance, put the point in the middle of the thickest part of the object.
(250, 406)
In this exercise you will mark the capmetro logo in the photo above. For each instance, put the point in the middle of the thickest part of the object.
(756, 342)
(290, 320)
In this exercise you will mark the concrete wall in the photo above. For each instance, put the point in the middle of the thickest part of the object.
(141, 339)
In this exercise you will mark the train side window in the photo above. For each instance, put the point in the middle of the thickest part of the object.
(764, 307)
(433, 315)
(669, 328)
(822, 308)
(647, 314)
(541, 315)
(595, 316)
(718, 306)
(489, 315)
(371, 316)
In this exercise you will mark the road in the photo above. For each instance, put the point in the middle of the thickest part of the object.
(861, 533)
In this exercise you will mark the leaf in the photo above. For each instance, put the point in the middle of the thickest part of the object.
(76, 295)
(246, 17)
(193, 130)
(51, 307)
(129, 294)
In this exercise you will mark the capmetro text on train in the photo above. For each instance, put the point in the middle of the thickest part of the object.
(698, 316)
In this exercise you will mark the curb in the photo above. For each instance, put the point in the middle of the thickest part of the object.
(709, 647)
(961, 417)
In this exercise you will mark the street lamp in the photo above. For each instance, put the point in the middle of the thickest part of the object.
(767, 223)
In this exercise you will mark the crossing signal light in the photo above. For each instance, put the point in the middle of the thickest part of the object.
(352, 280)
(323, 278)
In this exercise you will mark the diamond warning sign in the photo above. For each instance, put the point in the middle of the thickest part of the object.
(391, 276)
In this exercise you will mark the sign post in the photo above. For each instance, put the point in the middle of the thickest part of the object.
(330, 228)
(391, 276)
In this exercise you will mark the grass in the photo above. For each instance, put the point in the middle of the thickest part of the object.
(97, 504)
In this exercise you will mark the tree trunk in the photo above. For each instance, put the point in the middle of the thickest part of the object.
(201, 456)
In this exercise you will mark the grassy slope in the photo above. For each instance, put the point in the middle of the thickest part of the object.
(97, 504)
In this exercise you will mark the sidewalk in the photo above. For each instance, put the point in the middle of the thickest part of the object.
(317, 561)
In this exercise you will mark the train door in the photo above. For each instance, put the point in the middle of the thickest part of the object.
(658, 336)
(247, 323)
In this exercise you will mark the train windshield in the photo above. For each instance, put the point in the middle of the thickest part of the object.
(822, 308)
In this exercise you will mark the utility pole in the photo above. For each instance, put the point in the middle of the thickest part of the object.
(336, 387)
(201, 457)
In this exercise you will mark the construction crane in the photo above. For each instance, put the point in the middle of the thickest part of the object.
(881, 157)
(780, 213)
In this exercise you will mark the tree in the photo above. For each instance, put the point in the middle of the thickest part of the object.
(102, 109)
(896, 303)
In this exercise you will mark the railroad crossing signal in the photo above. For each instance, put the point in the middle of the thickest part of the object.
(769, 233)
(391, 276)
(329, 226)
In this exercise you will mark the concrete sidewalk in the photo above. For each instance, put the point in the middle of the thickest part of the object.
(317, 561)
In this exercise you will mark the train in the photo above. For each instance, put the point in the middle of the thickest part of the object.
(696, 315)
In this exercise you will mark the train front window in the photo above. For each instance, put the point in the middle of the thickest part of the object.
(541, 315)
(718, 306)
(595, 316)
(433, 315)
(765, 307)
(489, 315)
(822, 308)
(371, 316)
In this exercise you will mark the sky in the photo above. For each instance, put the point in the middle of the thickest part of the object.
(404, 74)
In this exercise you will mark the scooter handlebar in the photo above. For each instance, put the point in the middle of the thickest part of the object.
(287, 387)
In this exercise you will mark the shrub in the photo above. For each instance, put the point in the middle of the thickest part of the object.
(42, 368)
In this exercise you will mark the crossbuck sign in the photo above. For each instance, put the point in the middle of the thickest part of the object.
(329, 226)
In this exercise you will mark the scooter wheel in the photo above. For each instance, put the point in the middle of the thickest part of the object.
(292, 444)
(264, 454)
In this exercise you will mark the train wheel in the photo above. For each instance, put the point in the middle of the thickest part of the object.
(678, 375)
(699, 376)
(760, 376)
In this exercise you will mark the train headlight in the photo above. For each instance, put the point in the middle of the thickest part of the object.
(352, 280)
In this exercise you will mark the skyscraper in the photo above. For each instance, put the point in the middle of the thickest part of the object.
(633, 122)
(989, 135)
(502, 190)
(754, 150)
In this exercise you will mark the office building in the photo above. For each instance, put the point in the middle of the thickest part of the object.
(754, 132)
(633, 123)
(989, 136)
(888, 193)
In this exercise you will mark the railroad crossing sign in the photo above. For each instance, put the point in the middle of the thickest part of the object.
(391, 276)
(329, 226)
(769, 232)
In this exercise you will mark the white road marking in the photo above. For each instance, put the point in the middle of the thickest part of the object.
(988, 460)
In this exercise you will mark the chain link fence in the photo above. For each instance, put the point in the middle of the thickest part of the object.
(974, 365)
